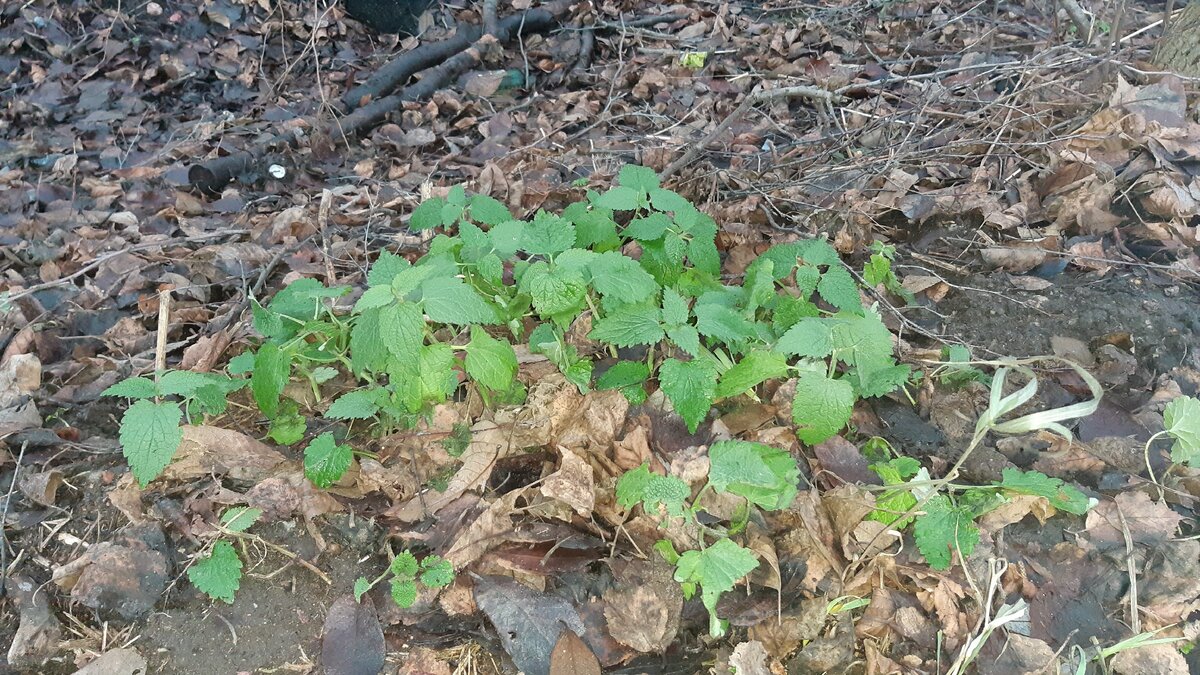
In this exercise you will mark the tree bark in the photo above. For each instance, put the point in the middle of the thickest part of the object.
(1179, 49)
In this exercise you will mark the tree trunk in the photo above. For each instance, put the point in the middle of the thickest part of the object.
(1179, 49)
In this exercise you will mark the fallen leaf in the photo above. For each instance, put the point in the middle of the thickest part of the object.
(352, 638)
(572, 657)
(529, 623)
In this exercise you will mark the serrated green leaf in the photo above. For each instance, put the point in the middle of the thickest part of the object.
(404, 565)
(490, 362)
(553, 291)
(438, 380)
(766, 476)
(620, 279)
(807, 278)
(360, 404)
(402, 329)
(404, 592)
(184, 382)
(575, 261)
(375, 297)
(428, 215)
(241, 364)
(641, 486)
(860, 339)
(1060, 495)
(629, 326)
(942, 530)
(751, 370)
(839, 289)
(818, 252)
(668, 200)
(789, 310)
(450, 300)
(623, 374)
(594, 228)
(132, 387)
(506, 237)
(386, 267)
(491, 269)
(809, 338)
(722, 323)
(1181, 418)
(288, 426)
(240, 518)
(821, 408)
(687, 338)
(219, 574)
(150, 435)
(488, 210)
(367, 351)
(716, 569)
(436, 572)
(890, 507)
(639, 178)
(702, 249)
(547, 235)
(690, 386)
(272, 367)
(619, 198)
(325, 461)
(361, 586)
(675, 307)
(650, 227)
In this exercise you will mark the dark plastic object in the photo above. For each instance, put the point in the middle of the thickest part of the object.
(388, 16)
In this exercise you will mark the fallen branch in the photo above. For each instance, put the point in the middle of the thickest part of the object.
(807, 91)
(211, 176)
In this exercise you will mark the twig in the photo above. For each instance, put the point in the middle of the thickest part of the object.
(807, 91)
(1083, 25)
(4, 517)
(164, 326)
(490, 22)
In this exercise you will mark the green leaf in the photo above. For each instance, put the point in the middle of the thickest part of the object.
(702, 249)
(325, 461)
(367, 351)
(361, 586)
(722, 323)
(675, 308)
(404, 565)
(489, 211)
(691, 386)
(132, 387)
(404, 592)
(642, 486)
(150, 435)
(438, 380)
(765, 476)
(240, 518)
(839, 289)
(490, 362)
(860, 339)
(375, 297)
(620, 278)
(753, 369)
(623, 374)
(648, 228)
(450, 300)
(241, 364)
(667, 200)
(386, 267)
(186, 383)
(944, 529)
(553, 291)
(506, 237)
(1060, 495)
(619, 198)
(810, 338)
(219, 574)
(686, 338)
(890, 507)
(428, 215)
(821, 408)
(716, 569)
(818, 252)
(1181, 417)
(288, 426)
(402, 329)
(272, 367)
(629, 326)
(637, 177)
(436, 572)
(360, 404)
(547, 235)
(594, 228)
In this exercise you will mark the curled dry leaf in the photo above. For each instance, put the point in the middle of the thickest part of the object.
(572, 484)
(207, 450)
(644, 605)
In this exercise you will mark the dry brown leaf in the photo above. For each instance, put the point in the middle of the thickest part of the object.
(485, 532)
(488, 443)
(749, 658)
(207, 450)
(572, 657)
(643, 607)
(573, 484)
(1130, 514)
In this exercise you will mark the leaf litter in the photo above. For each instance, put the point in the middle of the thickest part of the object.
(1039, 190)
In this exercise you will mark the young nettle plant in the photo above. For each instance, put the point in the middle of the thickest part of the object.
(217, 571)
(407, 576)
(638, 261)
(766, 477)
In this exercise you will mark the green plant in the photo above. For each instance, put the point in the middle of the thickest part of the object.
(488, 281)
(764, 476)
(217, 570)
(408, 576)
(878, 270)
(1181, 422)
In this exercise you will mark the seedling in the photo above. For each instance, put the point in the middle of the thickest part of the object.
(408, 576)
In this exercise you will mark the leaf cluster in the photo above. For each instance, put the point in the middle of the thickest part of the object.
(407, 576)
